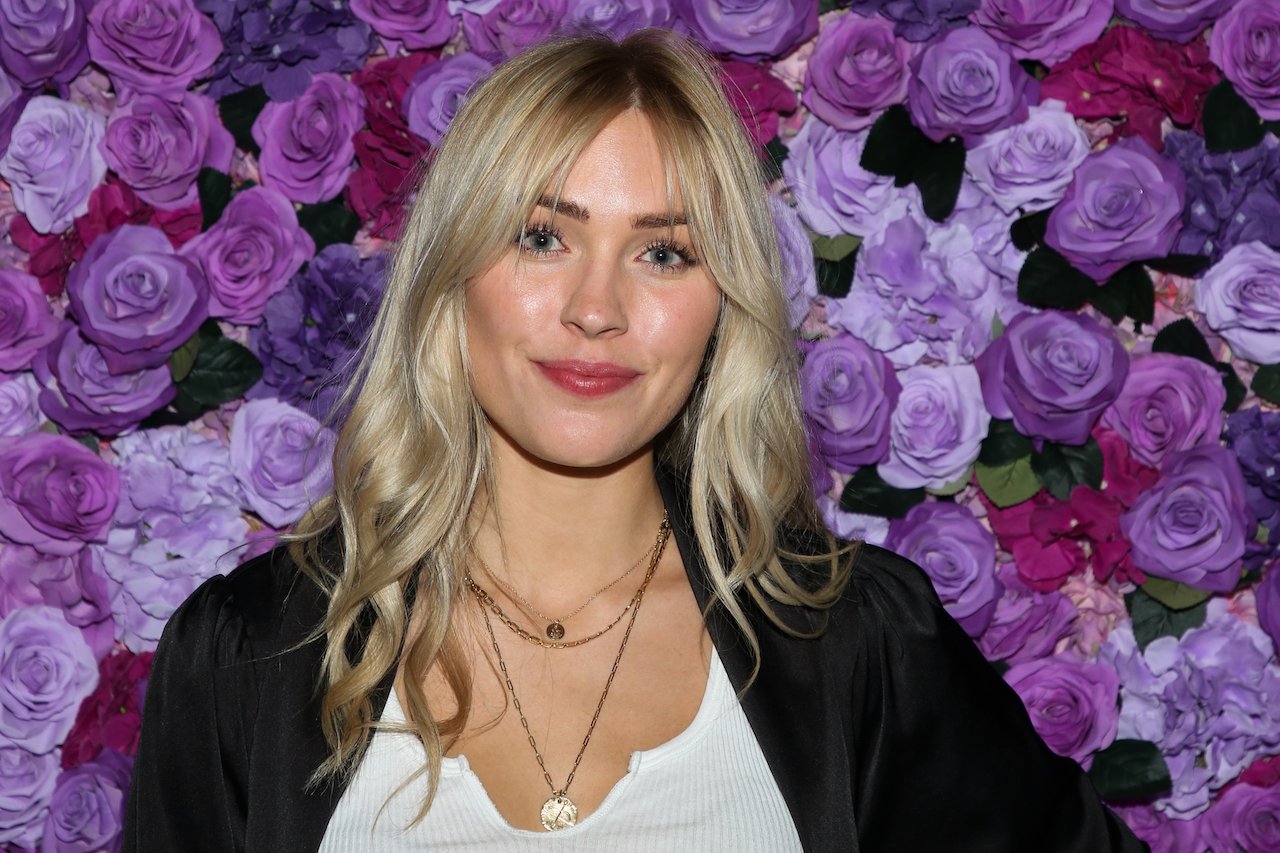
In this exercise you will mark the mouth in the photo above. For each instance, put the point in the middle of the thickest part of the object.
(587, 378)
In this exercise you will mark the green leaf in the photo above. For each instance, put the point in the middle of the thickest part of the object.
(895, 146)
(835, 248)
(997, 326)
(1272, 127)
(835, 277)
(1128, 293)
(1008, 484)
(1235, 388)
(1028, 232)
(1062, 467)
(1130, 770)
(1188, 266)
(183, 358)
(1151, 619)
(1173, 595)
(772, 158)
(1230, 124)
(1003, 444)
(1047, 280)
(1183, 338)
(938, 176)
(1266, 383)
(868, 494)
(89, 441)
(328, 222)
(238, 112)
(954, 487)
(223, 371)
(214, 188)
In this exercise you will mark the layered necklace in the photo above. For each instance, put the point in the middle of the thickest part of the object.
(559, 811)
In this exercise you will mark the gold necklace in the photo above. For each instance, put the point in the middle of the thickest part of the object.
(558, 811)
(555, 626)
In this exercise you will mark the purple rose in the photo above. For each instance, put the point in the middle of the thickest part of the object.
(937, 427)
(1245, 44)
(1073, 704)
(510, 26)
(1167, 835)
(307, 153)
(281, 457)
(799, 282)
(848, 391)
(74, 585)
(13, 99)
(54, 162)
(136, 298)
(616, 18)
(81, 394)
(966, 83)
(26, 322)
(834, 195)
(1192, 526)
(856, 70)
(1048, 31)
(1240, 299)
(158, 146)
(750, 29)
(918, 20)
(1245, 817)
(28, 787)
(1026, 624)
(1168, 403)
(42, 42)
(250, 253)
(55, 494)
(19, 407)
(156, 46)
(1124, 204)
(1254, 435)
(87, 809)
(852, 526)
(416, 24)
(1053, 374)
(1029, 166)
(438, 91)
(1267, 595)
(45, 671)
(959, 556)
(1175, 20)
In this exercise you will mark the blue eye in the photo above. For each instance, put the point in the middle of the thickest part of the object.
(539, 240)
(668, 256)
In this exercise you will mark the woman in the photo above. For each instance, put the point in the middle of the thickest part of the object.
(571, 520)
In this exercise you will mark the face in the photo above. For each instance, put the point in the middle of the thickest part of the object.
(586, 337)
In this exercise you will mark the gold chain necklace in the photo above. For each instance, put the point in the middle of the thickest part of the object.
(558, 811)
(555, 626)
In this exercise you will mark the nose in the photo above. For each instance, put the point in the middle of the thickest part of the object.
(593, 303)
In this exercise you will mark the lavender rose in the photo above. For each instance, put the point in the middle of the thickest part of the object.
(250, 253)
(281, 457)
(1192, 526)
(799, 282)
(81, 394)
(1245, 817)
(852, 526)
(849, 392)
(55, 494)
(26, 322)
(1175, 20)
(438, 91)
(19, 407)
(28, 787)
(136, 298)
(1124, 204)
(53, 162)
(45, 671)
(158, 146)
(1245, 44)
(1026, 624)
(1168, 403)
(959, 556)
(967, 84)
(75, 585)
(616, 18)
(1029, 166)
(1267, 595)
(856, 70)
(1074, 706)
(1240, 299)
(1053, 373)
(510, 27)
(307, 152)
(750, 29)
(937, 427)
(416, 24)
(42, 42)
(87, 809)
(155, 46)
(918, 20)
(1048, 31)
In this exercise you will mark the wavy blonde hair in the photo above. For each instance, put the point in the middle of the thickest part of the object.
(412, 454)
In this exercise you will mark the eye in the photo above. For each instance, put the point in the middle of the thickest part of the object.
(540, 240)
(668, 256)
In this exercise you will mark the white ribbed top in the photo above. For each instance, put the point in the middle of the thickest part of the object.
(706, 789)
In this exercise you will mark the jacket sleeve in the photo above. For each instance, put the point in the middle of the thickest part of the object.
(190, 774)
(945, 756)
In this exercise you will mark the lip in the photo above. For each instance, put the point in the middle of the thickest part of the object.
(588, 378)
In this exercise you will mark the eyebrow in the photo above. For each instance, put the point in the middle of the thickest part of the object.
(640, 221)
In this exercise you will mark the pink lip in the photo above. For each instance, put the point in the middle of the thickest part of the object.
(588, 378)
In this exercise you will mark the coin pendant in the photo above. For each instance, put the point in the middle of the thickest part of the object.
(559, 812)
(555, 631)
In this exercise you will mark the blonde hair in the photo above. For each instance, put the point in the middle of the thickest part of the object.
(412, 455)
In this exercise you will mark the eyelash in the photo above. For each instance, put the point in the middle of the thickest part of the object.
(686, 256)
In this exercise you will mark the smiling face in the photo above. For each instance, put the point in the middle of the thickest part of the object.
(586, 337)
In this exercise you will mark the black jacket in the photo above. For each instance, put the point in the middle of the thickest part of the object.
(889, 733)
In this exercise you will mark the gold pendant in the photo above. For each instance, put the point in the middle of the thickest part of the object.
(559, 812)
(555, 631)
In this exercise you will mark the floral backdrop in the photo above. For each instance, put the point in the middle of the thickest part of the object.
(1031, 251)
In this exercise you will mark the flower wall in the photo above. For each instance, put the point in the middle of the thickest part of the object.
(1031, 251)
